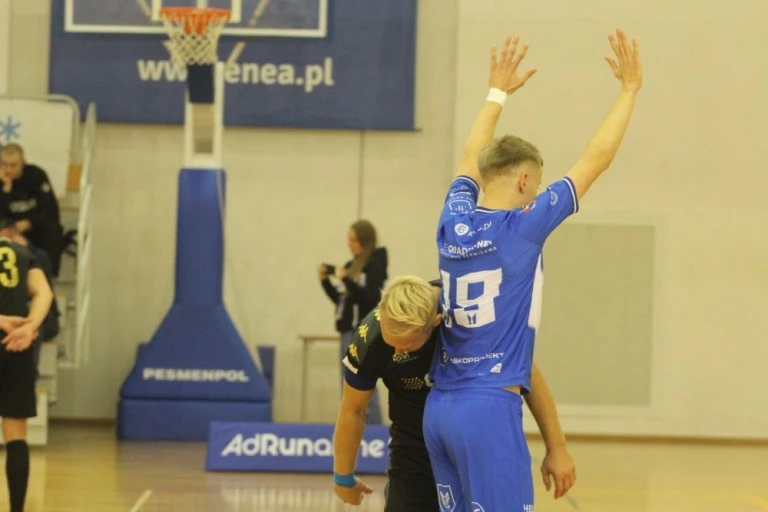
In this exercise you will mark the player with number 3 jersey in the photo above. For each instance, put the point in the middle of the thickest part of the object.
(491, 265)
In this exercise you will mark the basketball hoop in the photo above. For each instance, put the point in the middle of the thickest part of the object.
(194, 33)
(193, 39)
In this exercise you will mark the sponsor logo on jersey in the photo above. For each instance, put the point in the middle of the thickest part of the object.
(405, 357)
(447, 503)
(461, 200)
(476, 507)
(194, 375)
(461, 229)
(553, 198)
(22, 206)
(273, 445)
(477, 359)
(530, 206)
(363, 332)
(479, 247)
(353, 352)
(485, 227)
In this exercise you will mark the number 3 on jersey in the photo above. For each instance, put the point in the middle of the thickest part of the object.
(477, 311)
(9, 272)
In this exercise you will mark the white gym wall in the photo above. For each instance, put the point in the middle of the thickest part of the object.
(5, 46)
(692, 171)
(693, 168)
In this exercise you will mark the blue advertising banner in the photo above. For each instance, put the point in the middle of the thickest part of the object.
(331, 64)
(289, 447)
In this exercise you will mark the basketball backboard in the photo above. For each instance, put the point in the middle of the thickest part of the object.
(280, 18)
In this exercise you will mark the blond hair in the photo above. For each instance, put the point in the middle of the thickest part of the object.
(503, 155)
(12, 149)
(409, 304)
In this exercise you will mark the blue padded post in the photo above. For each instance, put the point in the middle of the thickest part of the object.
(267, 357)
(200, 238)
(196, 356)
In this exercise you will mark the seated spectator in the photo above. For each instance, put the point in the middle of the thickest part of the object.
(27, 197)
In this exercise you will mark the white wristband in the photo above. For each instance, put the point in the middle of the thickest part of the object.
(497, 96)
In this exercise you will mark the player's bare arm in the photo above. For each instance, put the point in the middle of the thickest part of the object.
(605, 142)
(557, 465)
(9, 323)
(347, 436)
(41, 298)
(504, 78)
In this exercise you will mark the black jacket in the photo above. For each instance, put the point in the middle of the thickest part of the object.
(361, 296)
(31, 198)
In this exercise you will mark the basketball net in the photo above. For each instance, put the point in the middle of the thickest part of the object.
(193, 33)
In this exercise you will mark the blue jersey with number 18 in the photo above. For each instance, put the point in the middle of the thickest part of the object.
(492, 272)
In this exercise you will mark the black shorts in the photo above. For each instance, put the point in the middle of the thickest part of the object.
(410, 484)
(17, 384)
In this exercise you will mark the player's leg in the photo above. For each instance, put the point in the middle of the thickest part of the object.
(437, 415)
(17, 404)
(410, 484)
(487, 442)
(16, 460)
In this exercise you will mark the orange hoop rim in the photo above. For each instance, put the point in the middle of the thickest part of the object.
(195, 19)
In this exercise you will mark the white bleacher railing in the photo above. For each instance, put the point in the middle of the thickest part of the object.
(51, 130)
(81, 343)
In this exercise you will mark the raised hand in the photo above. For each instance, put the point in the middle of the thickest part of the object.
(627, 67)
(504, 73)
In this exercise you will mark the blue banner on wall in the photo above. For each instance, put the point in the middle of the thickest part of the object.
(346, 64)
(289, 447)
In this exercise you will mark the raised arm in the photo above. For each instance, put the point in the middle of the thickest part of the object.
(605, 142)
(557, 464)
(504, 80)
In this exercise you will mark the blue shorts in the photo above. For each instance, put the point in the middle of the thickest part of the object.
(478, 450)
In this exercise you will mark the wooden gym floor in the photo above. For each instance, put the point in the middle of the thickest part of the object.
(83, 469)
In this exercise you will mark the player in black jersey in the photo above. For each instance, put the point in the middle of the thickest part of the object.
(25, 298)
(396, 343)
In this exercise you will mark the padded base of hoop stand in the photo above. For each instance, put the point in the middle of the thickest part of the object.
(196, 368)
(182, 420)
(200, 83)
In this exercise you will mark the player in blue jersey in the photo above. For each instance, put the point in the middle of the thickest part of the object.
(492, 272)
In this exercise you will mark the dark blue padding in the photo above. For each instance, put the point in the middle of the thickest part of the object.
(182, 420)
(267, 356)
(196, 353)
(200, 83)
(191, 340)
